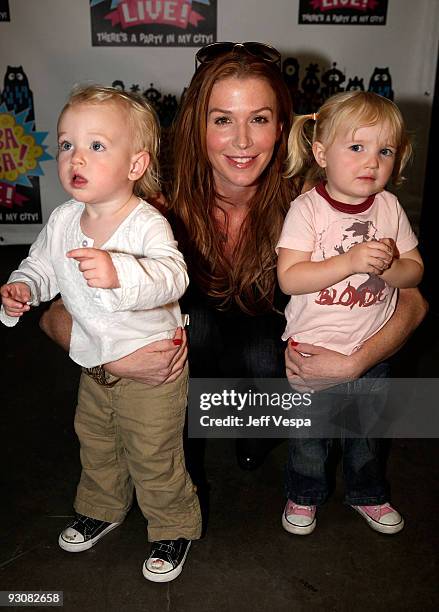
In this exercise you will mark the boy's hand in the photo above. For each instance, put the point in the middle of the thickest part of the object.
(370, 257)
(15, 298)
(97, 267)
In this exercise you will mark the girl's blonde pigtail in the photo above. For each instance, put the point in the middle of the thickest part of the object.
(300, 155)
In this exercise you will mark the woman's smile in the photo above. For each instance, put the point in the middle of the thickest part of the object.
(241, 162)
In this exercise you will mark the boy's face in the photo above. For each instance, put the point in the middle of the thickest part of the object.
(95, 153)
(357, 165)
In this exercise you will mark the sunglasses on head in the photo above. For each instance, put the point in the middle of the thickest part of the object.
(209, 53)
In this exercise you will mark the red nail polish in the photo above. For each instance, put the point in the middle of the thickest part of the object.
(293, 342)
(177, 341)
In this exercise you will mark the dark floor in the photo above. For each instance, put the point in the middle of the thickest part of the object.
(246, 561)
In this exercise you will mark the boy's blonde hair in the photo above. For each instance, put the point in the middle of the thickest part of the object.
(354, 109)
(141, 121)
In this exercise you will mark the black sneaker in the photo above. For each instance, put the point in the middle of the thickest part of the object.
(83, 533)
(166, 560)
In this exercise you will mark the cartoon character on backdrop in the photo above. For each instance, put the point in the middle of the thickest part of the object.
(118, 85)
(21, 152)
(16, 92)
(355, 84)
(310, 100)
(168, 110)
(165, 106)
(332, 80)
(153, 97)
(381, 83)
(121, 86)
(290, 72)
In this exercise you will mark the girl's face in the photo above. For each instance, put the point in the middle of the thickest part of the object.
(357, 164)
(242, 130)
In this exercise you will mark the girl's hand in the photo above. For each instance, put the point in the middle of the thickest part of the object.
(97, 267)
(157, 363)
(15, 298)
(392, 246)
(370, 257)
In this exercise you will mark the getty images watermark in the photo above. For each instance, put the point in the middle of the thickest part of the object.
(238, 401)
(369, 407)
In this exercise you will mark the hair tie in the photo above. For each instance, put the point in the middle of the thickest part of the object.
(314, 116)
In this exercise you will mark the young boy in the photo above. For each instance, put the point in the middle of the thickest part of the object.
(113, 258)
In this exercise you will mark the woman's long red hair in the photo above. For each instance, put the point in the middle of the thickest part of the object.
(249, 281)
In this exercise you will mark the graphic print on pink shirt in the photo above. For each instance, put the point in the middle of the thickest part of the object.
(345, 233)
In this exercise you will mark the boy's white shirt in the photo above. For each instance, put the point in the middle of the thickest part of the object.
(109, 323)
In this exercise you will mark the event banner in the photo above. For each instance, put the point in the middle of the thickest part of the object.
(153, 23)
(21, 151)
(4, 10)
(343, 12)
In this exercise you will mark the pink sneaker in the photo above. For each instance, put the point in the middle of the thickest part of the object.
(383, 518)
(297, 519)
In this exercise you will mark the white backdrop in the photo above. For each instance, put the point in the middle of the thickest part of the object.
(51, 40)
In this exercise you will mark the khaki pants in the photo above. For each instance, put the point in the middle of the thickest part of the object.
(131, 436)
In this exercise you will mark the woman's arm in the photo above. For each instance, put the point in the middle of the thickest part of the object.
(57, 324)
(325, 368)
(406, 270)
(154, 364)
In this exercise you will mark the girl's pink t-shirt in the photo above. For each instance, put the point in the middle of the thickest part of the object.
(343, 316)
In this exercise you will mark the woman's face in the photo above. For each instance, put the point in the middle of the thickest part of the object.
(242, 130)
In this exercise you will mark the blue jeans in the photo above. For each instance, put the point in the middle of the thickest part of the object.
(307, 478)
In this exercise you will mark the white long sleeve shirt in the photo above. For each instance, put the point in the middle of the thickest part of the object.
(109, 323)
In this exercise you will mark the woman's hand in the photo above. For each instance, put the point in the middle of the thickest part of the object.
(57, 324)
(157, 363)
(154, 364)
(323, 368)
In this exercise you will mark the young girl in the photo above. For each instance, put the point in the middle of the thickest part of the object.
(345, 247)
(113, 258)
